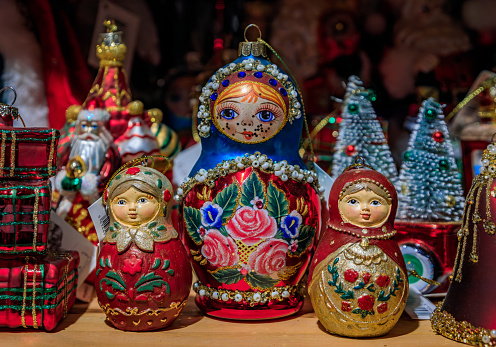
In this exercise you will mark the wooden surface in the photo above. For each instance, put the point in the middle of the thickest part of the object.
(85, 326)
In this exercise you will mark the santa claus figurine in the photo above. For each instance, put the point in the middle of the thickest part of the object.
(85, 168)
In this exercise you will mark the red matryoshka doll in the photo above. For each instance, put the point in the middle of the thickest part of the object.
(358, 282)
(250, 207)
(143, 272)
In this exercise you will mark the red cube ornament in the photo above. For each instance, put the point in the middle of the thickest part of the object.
(27, 160)
(37, 292)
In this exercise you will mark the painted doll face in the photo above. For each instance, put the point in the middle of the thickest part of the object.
(364, 209)
(249, 113)
(134, 207)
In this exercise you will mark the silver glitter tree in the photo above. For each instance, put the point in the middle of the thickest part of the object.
(429, 186)
(361, 134)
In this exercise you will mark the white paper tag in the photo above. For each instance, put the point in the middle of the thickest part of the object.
(184, 162)
(417, 306)
(73, 240)
(100, 218)
(325, 181)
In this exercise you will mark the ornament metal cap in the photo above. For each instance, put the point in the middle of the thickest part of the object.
(111, 49)
(8, 112)
(256, 49)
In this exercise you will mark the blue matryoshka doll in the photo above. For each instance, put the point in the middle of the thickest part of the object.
(250, 209)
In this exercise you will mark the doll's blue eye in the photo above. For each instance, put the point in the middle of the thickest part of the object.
(265, 116)
(352, 202)
(229, 113)
(95, 127)
(375, 203)
(143, 200)
(121, 202)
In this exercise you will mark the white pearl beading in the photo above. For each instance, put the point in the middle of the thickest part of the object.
(204, 113)
(251, 298)
(258, 161)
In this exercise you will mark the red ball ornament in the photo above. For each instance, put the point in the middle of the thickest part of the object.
(438, 136)
(350, 150)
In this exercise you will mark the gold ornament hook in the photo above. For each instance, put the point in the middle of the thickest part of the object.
(255, 26)
(15, 94)
(492, 138)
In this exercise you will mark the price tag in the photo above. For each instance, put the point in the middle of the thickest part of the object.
(417, 306)
(100, 218)
(71, 239)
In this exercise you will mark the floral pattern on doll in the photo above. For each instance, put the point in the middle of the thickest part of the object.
(137, 201)
(359, 295)
(247, 232)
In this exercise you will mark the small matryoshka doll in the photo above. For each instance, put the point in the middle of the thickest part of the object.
(357, 282)
(143, 272)
(250, 207)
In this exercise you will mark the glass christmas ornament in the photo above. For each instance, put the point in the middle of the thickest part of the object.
(357, 280)
(350, 150)
(143, 275)
(467, 314)
(438, 136)
(136, 131)
(250, 207)
(430, 114)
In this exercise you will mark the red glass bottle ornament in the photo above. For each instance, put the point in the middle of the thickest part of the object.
(143, 272)
(438, 136)
(357, 279)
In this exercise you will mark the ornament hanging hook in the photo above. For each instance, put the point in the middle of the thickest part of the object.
(492, 138)
(359, 161)
(15, 94)
(255, 26)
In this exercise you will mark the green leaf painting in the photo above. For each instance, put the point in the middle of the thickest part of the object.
(149, 281)
(256, 280)
(227, 200)
(192, 218)
(227, 276)
(252, 187)
(277, 204)
(305, 238)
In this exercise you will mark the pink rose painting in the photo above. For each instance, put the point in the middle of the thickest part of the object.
(219, 250)
(270, 257)
(252, 225)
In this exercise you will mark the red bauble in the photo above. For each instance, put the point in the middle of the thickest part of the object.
(438, 136)
(350, 150)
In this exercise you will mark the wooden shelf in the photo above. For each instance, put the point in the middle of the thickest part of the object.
(85, 326)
